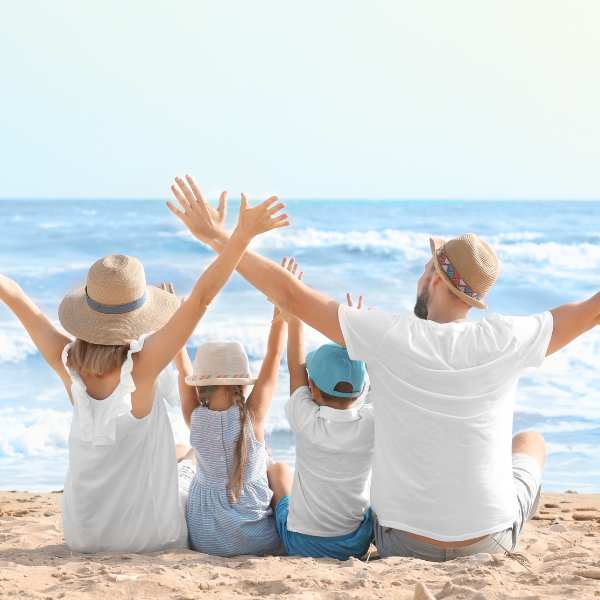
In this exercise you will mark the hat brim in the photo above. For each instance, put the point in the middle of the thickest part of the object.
(436, 244)
(202, 382)
(81, 321)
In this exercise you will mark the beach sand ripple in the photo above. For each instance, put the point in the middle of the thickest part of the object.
(558, 557)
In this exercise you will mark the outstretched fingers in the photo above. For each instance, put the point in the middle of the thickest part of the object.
(263, 217)
(183, 193)
(195, 189)
(291, 265)
(175, 210)
(350, 300)
(276, 208)
(222, 206)
(269, 201)
(280, 221)
(192, 196)
(180, 198)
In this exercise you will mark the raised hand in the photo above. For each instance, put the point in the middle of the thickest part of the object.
(206, 222)
(203, 221)
(167, 286)
(258, 219)
(351, 302)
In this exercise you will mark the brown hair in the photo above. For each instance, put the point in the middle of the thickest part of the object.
(341, 386)
(235, 483)
(94, 359)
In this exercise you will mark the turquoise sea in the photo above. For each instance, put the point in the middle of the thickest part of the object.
(550, 253)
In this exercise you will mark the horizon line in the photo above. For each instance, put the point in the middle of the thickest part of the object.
(300, 199)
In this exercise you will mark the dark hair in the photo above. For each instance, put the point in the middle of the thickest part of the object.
(342, 386)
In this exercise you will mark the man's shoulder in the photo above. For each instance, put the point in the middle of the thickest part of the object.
(366, 411)
(367, 417)
(512, 323)
(375, 314)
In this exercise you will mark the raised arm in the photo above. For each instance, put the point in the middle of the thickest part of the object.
(261, 398)
(187, 393)
(296, 358)
(162, 346)
(183, 364)
(47, 339)
(573, 320)
(281, 287)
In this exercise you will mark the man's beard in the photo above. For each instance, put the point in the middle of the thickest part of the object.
(421, 304)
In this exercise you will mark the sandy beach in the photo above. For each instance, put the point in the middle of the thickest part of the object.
(558, 557)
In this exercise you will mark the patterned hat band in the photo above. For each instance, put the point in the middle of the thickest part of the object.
(454, 276)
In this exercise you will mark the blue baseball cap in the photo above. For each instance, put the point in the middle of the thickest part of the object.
(329, 365)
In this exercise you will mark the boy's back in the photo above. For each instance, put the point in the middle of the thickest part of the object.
(334, 448)
(324, 510)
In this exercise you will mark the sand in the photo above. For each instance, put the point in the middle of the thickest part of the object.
(559, 558)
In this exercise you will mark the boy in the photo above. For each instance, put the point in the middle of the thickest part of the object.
(327, 513)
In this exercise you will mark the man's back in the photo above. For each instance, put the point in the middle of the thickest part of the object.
(444, 398)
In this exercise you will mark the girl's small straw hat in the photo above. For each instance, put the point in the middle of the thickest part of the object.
(115, 306)
(221, 363)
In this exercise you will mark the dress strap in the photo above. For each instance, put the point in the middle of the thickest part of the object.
(77, 385)
(65, 355)
(126, 383)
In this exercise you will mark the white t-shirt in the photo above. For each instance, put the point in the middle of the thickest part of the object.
(334, 449)
(443, 396)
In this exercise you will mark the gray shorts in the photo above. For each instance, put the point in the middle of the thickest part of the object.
(527, 477)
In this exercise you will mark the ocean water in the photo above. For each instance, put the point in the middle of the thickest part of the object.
(550, 253)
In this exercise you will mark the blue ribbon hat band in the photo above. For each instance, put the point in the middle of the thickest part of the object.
(115, 309)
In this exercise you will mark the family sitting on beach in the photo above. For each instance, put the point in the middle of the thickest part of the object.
(426, 468)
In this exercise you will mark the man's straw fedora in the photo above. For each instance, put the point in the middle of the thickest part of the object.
(115, 306)
(221, 363)
(467, 265)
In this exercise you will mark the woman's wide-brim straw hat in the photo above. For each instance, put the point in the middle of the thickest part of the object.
(221, 363)
(467, 265)
(115, 306)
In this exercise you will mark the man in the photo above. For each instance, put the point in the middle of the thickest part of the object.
(444, 481)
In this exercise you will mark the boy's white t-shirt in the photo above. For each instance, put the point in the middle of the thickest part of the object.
(334, 449)
(444, 396)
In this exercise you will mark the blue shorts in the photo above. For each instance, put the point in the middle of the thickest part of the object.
(341, 547)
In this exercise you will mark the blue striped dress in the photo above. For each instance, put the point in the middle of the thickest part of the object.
(215, 525)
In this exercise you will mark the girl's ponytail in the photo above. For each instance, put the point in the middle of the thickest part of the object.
(235, 484)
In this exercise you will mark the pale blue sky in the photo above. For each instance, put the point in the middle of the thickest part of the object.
(336, 98)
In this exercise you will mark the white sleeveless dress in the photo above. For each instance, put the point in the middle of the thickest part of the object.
(121, 491)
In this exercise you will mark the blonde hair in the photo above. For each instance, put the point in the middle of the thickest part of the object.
(235, 483)
(94, 359)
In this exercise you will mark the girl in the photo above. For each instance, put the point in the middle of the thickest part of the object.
(229, 504)
(121, 492)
